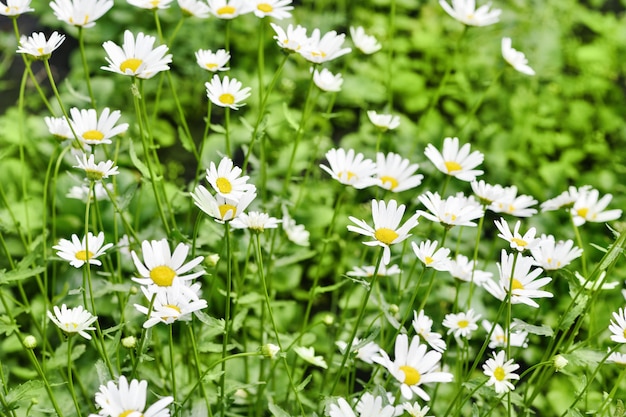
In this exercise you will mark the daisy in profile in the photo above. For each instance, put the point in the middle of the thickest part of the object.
(82, 13)
(83, 192)
(368, 271)
(515, 239)
(226, 92)
(617, 358)
(521, 280)
(416, 410)
(15, 8)
(487, 193)
(94, 130)
(364, 42)
(431, 256)
(73, 320)
(588, 208)
(455, 161)
(124, 399)
(367, 406)
(510, 203)
(383, 122)
(79, 252)
(308, 355)
(291, 40)
(213, 61)
(453, 211)
(171, 304)
(194, 8)
(500, 372)
(227, 9)
(515, 58)
(618, 327)
(278, 9)
(320, 49)
(161, 267)
(499, 337)
(227, 181)
(137, 57)
(551, 255)
(96, 172)
(296, 233)
(565, 200)
(386, 230)
(363, 349)
(37, 46)
(151, 4)
(396, 173)
(423, 327)
(461, 324)
(462, 269)
(59, 128)
(221, 208)
(350, 168)
(327, 81)
(465, 11)
(255, 221)
(413, 366)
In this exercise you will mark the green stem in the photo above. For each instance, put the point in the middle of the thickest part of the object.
(229, 278)
(42, 375)
(196, 357)
(172, 365)
(83, 56)
(69, 375)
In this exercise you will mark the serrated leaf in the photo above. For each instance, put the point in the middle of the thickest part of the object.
(185, 140)
(585, 357)
(294, 125)
(574, 312)
(250, 298)
(214, 347)
(239, 319)
(543, 330)
(59, 358)
(28, 389)
(6, 327)
(143, 169)
(304, 383)
(329, 288)
(19, 274)
(277, 411)
(218, 129)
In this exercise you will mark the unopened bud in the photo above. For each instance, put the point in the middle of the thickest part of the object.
(129, 342)
(30, 342)
(560, 362)
(213, 259)
(270, 350)
(328, 319)
(394, 309)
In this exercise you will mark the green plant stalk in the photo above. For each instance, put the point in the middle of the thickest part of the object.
(579, 242)
(479, 232)
(172, 365)
(142, 339)
(83, 56)
(181, 116)
(227, 132)
(70, 381)
(611, 395)
(196, 357)
(227, 324)
(476, 106)
(391, 33)
(23, 164)
(42, 375)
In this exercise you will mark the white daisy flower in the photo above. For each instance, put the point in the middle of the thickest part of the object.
(522, 281)
(498, 336)
(515, 58)
(195, 8)
(364, 42)
(341, 409)
(461, 324)
(150, 4)
(59, 128)
(587, 208)
(226, 92)
(308, 354)
(227, 9)
(94, 130)
(515, 239)
(326, 80)
(551, 255)
(618, 327)
(465, 11)
(383, 121)
(423, 327)
(413, 366)
(350, 168)
(459, 163)
(364, 350)
(79, 252)
(83, 13)
(487, 193)
(415, 410)
(129, 400)
(500, 372)
(213, 61)
(171, 304)
(162, 267)
(278, 9)
(83, 192)
(221, 208)
(396, 173)
(15, 7)
(137, 57)
(296, 233)
(386, 230)
(462, 268)
(74, 320)
(597, 284)
(368, 406)
(320, 49)
(453, 211)
(511, 203)
(432, 257)
(93, 171)
(227, 181)
(368, 271)
(255, 221)
(616, 357)
(292, 40)
(564, 200)
(37, 46)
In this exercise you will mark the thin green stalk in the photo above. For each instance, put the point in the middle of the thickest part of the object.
(579, 242)
(227, 131)
(83, 56)
(229, 279)
(70, 381)
(477, 105)
(42, 375)
(479, 231)
(196, 358)
(172, 365)
(391, 33)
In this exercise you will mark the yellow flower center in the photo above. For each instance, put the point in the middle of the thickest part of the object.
(624, 334)
(582, 212)
(319, 53)
(128, 412)
(411, 376)
(173, 307)
(463, 324)
(499, 373)
(211, 65)
(85, 20)
(385, 235)
(265, 8)
(517, 285)
(519, 242)
(428, 260)
(346, 175)
(162, 275)
(226, 10)
(155, 3)
(93, 135)
(227, 98)
(93, 174)
(391, 180)
(452, 166)
(82, 255)
(40, 50)
(71, 327)
(131, 64)
(225, 208)
(224, 185)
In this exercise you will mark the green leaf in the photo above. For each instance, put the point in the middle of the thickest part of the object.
(295, 258)
(277, 411)
(185, 140)
(143, 169)
(574, 312)
(330, 288)
(6, 327)
(543, 330)
(304, 383)
(294, 125)
(23, 391)
(19, 274)
(59, 358)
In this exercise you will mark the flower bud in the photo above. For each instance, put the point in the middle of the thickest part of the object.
(212, 260)
(270, 350)
(129, 342)
(30, 342)
(560, 362)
